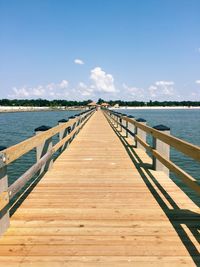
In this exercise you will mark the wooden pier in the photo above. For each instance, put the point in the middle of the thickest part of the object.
(101, 204)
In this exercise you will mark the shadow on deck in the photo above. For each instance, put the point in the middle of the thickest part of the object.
(185, 222)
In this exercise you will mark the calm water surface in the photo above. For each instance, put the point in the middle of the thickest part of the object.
(16, 127)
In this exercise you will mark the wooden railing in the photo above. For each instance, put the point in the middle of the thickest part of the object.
(160, 148)
(42, 141)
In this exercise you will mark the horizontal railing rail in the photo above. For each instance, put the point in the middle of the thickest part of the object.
(162, 141)
(42, 141)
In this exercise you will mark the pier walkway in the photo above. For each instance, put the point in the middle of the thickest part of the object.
(98, 206)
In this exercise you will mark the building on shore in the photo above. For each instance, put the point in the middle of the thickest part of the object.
(92, 105)
(105, 105)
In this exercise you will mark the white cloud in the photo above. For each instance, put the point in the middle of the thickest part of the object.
(21, 92)
(164, 83)
(102, 81)
(38, 91)
(197, 82)
(79, 61)
(133, 91)
(63, 84)
(46, 91)
(50, 86)
(153, 90)
(84, 90)
(162, 88)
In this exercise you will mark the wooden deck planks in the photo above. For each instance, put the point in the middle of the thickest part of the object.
(93, 208)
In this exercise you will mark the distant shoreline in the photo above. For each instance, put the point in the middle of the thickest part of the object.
(159, 107)
(11, 109)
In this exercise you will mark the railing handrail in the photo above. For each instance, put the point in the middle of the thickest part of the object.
(185, 147)
(182, 146)
(15, 187)
(14, 152)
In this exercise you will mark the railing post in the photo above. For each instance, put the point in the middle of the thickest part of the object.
(72, 128)
(80, 119)
(116, 120)
(63, 133)
(120, 121)
(125, 124)
(43, 148)
(112, 118)
(4, 198)
(162, 148)
(131, 127)
(140, 133)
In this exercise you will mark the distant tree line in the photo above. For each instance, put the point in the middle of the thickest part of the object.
(151, 103)
(42, 102)
(68, 103)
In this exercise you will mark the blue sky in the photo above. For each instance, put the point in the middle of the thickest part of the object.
(86, 49)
